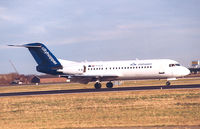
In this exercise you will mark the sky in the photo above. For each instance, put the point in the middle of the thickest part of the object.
(93, 30)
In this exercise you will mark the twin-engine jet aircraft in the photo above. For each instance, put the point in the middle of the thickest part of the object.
(85, 72)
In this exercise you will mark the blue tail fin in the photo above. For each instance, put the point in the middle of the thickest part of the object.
(47, 62)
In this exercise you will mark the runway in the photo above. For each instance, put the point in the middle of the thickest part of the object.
(51, 92)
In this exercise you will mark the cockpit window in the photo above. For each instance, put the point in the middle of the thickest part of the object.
(173, 65)
(177, 64)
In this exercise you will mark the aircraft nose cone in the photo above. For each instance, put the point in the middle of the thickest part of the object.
(185, 72)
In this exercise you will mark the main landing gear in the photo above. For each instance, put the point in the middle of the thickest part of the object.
(97, 85)
(109, 85)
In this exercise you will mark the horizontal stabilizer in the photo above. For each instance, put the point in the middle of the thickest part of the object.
(26, 45)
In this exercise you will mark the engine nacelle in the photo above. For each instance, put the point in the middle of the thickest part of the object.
(48, 70)
(75, 69)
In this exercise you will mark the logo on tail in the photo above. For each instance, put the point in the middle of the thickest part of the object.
(48, 55)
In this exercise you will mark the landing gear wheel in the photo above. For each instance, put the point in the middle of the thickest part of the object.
(168, 83)
(109, 85)
(97, 85)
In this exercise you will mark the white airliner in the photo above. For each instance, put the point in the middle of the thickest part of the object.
(85, 72)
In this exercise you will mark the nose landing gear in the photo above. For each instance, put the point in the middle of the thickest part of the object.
(168, 83)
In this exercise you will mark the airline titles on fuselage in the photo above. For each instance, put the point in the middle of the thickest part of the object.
(131, 66)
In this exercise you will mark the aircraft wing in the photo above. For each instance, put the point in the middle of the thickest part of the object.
(85, 79)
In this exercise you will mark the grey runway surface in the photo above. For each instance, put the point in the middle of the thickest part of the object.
(99, 90)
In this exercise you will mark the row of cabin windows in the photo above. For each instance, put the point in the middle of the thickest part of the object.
(110, 68)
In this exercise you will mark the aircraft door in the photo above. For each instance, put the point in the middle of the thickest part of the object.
(84, 69)
(162, 70)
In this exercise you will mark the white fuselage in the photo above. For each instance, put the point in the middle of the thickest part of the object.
(85, 72)
(127, 70)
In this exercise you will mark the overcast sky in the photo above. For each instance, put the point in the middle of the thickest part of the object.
(92, 30)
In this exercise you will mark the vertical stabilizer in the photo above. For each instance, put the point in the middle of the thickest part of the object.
(47, 62)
